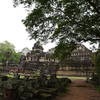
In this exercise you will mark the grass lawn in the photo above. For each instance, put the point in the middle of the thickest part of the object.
(22, 76)
(72, 77)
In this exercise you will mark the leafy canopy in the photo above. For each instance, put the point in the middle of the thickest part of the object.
(7, 52)
(97, 62)
(63, 50)
(66, 21)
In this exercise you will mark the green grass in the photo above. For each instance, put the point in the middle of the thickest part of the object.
(73, 78)
(11, 75)
(22, 76)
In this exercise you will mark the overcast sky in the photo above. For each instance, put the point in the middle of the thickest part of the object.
(11, 27)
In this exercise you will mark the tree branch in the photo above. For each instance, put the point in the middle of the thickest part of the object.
(94, 6)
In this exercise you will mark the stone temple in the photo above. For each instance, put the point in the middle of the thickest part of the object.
(37, 59)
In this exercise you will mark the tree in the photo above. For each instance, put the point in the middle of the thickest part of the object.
(8, 53)
(63, 50)
(65, 20)
(97, 64)
(5, 50)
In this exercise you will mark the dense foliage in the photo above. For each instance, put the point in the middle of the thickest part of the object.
(97, 62)
(65, 20)
(8, 53)
(97, 66)
(63, 49)
(96, 75)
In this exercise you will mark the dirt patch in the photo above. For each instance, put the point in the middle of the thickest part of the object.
(80, 90)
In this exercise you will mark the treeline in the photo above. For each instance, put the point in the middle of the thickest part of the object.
(8, 53)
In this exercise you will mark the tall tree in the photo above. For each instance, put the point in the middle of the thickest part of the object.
(63, 50)
(8, 53)
(67, 20)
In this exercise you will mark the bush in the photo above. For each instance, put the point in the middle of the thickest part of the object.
(95, 80)
(98, 88)
(40, 88)
(4, 78)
